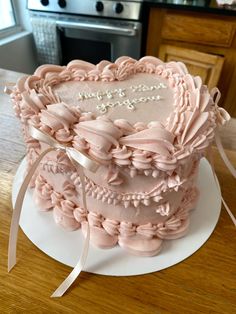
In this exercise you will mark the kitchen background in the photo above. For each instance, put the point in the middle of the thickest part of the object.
(17, 49)
(199, 33)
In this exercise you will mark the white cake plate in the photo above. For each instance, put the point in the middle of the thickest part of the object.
(66, 247)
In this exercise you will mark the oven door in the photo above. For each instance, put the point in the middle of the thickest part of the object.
(95, 39)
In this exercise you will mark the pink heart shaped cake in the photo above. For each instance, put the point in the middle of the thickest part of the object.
(146, 123)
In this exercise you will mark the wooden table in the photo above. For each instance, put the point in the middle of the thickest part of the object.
(203, 283)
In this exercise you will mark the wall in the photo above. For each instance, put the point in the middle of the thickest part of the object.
(22, 14)
(17, 52)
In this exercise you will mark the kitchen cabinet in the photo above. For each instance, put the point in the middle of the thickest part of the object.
(205, 42)
(207, 66)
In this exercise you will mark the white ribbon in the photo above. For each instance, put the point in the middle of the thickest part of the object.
(230, 167)
(79, 160)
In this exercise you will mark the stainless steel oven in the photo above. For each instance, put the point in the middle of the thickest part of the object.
(86, 29)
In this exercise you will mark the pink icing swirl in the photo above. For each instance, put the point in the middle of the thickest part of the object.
(177, 68)
(43, 70)
(59, 118)
(125, 68)
(80, 214)
(94, 75)
(174, 227)
(49, 94)
(155, 139)
(64, 215)
(75, 65)
(51, 121)
(196, 124)
(121, 156)
(80, 143)
(69, 189)
(64, 219)
(101, 134)
(80, 75)
(42, 193)
(31, 104)
(64, 136)
(148, 230)
(30, 82)
(141, 159)
(113, 176)
(107, 70)
(56, 198)
(95, 219)
(107, 75)
(147, 64)
(67, 208)
(111, 226)
(65, 75)
(127, 229)
(43, 187)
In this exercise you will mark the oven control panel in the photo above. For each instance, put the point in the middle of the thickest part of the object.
(129, 10)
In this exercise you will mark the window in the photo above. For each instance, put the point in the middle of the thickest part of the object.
(7, 18)
(8, 21)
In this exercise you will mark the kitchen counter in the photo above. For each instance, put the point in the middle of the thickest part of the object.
(194, 5)
(203, 283)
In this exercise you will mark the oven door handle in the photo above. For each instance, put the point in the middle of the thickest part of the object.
(110, 29)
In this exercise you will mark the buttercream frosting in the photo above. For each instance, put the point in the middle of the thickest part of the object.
(147, 123)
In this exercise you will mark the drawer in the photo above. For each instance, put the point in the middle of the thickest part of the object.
(205, 30)
(205, 65)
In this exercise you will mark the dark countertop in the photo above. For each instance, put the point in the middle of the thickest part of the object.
(193, 5)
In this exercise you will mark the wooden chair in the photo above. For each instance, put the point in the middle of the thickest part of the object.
(207, 66)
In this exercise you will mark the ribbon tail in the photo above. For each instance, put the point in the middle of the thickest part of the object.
(64, 286)
(17, 212)
(229, 211)
(217, 183)
(223, 155)
(81, 263)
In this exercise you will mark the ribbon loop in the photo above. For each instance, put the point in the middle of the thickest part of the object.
(80, 158)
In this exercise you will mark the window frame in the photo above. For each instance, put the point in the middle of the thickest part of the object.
(11, 30)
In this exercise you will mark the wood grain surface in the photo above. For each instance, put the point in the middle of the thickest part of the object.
(205, 65)
(209, 30)
(201, 31)
(203, 283)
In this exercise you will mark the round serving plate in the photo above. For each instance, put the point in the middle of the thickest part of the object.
(66, 247)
